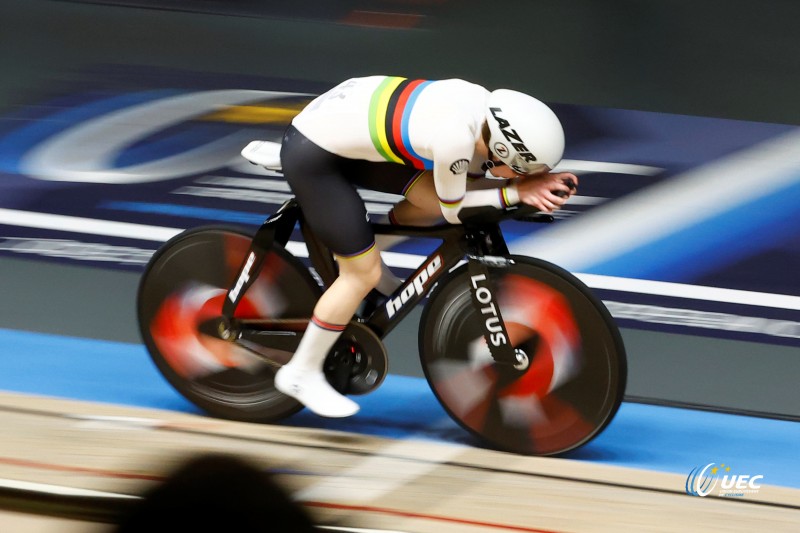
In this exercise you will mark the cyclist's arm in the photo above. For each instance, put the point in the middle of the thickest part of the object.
(451, 159)
(454, 196)
(547, 191)
(497, 197)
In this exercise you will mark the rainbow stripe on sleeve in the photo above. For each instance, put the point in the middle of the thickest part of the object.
(504, 201)
(389, 113)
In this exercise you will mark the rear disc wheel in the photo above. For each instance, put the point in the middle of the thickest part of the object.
(184, 286)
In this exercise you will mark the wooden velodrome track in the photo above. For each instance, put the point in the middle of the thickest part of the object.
(68, 466)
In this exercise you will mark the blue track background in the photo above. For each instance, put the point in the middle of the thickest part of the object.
(641, 436)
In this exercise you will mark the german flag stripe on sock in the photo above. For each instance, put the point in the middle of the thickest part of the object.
(326, 326)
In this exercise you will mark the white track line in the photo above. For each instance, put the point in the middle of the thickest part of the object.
(693, 292)
(579, 167)
(91, 226)
(380, 474)
(358, 529)
(60, 490)
(399, 260)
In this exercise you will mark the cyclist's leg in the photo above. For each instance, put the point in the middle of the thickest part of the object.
(390, 178)
(302, 377)
(336, 214)
(357, 276)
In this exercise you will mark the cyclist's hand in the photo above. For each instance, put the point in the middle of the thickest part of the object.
(547, 192)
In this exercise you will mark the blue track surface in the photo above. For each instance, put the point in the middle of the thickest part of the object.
(641, 436)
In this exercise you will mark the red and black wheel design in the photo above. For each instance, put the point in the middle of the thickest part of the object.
(576, 373)
(184, 286)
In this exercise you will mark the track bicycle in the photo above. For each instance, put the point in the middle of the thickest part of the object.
(518, 351)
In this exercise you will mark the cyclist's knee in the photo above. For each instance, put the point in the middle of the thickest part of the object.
(363, 271)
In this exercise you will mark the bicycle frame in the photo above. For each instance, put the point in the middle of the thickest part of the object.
(483, 245)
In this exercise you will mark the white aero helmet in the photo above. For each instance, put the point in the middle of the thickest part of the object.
(523, 132)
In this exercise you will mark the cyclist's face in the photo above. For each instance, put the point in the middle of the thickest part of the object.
(504, 171)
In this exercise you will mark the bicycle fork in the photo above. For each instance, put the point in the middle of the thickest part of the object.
(487, 251)
(485, 301)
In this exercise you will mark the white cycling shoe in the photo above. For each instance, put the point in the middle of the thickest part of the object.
(312, 390)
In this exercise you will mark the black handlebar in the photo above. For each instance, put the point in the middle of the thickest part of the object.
(486, 214)
(569, 183)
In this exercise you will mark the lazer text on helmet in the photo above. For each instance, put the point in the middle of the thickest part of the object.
(512, 136)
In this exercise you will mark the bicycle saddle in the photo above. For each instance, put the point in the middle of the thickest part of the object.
(264, 153)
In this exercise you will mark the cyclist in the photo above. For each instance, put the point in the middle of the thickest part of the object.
(418, 138)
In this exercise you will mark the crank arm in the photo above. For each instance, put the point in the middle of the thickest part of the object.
(275, 334)
(273, 346)
(285, 341)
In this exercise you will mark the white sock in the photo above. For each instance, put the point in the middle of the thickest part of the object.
(317, 341)
(303, 379)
